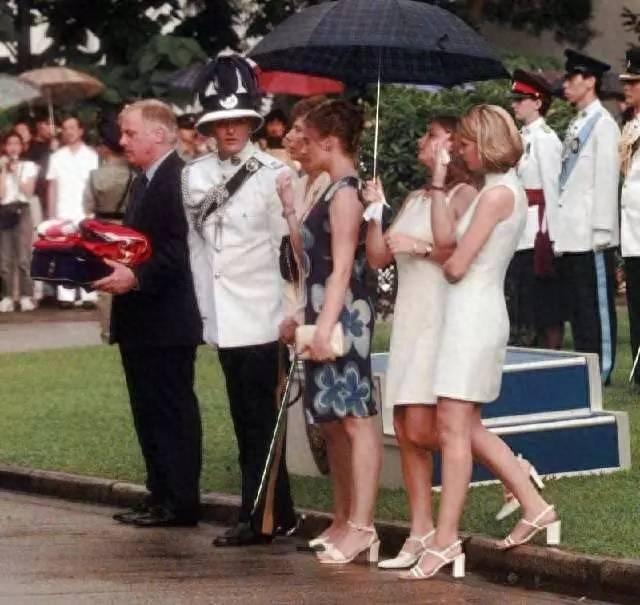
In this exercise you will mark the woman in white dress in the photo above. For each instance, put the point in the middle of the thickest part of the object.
(475, 332)
(417, 321)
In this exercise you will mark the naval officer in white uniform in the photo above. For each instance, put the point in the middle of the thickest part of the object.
(534, 291)
(630, 200)
(235, 230)
(585, 222)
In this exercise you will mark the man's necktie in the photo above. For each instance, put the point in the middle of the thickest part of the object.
(135, 201)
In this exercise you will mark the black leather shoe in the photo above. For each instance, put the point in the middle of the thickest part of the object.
(158, 516)
(128, 516)
(241, 535)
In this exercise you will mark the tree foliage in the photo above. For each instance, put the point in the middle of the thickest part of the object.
(405, 112)
(568, 19)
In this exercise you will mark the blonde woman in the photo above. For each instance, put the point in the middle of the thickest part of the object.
(475, 333)
(415, 336)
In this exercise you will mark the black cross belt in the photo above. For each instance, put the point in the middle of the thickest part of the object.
(219, 196)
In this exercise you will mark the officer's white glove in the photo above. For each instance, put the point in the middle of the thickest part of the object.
(601, 239)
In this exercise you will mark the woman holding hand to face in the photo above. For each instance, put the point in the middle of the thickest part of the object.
(417, 321)
(475, 333)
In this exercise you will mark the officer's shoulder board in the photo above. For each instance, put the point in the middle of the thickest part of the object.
(268, 160)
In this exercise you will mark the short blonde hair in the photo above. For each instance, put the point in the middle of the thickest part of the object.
(157, 113)
(495, 133)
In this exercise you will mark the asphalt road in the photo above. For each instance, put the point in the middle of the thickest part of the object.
(54, 552)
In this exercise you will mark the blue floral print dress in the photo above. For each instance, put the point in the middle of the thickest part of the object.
(342, 387)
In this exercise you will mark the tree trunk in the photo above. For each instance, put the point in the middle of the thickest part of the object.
(24, 35)
(476, 11)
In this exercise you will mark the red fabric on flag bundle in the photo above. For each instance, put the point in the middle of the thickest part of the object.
(70, 254)
(115, 242)
(100, 238)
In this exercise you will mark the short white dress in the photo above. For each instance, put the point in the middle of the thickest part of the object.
(476, 324)
(418, 311)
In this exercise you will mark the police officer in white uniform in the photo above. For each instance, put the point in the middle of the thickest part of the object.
(585, 222)
(630, 200)
(235, 230)
(534, 292)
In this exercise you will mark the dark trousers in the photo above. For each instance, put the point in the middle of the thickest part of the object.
(632, 277)
(167, 420)
(251, 375)
(589, 283)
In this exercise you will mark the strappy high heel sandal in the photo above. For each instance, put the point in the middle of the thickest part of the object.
(451, 555)
(511, 504)
(333, 556)
(405, 558)
(553, 529)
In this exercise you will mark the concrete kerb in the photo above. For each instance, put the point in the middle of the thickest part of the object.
(570, 570)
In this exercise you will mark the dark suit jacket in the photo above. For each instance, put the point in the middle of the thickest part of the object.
(163, 312)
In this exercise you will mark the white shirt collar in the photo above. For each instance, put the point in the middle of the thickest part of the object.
(590, 109)
(238, 159)
(537, 123)
(150, 172)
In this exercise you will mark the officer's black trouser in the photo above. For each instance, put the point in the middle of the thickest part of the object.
(251, 375)
(588, 280)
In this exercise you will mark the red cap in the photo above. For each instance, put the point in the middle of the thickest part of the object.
(521, 88)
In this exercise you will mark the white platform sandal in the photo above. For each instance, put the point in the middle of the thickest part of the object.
(451, 555)
(405, 558)
(553, 529)
(511, 504)
(333, 556)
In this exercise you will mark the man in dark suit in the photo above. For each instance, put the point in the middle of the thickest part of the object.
(155, 321)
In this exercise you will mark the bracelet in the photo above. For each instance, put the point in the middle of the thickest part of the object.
(437, 187)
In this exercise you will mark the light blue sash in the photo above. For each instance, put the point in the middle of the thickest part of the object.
(572, 148)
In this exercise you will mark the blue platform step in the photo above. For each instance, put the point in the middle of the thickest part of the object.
(549, 410)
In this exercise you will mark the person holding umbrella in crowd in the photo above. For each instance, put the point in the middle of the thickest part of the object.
(235, 230)
(630, 201)
(417, 321)
(585, 217)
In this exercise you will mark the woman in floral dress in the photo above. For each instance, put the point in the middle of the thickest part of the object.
(338, 391)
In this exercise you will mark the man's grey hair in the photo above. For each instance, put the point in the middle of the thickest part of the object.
(157, 113)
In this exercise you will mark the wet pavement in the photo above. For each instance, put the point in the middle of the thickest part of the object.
(56, 552)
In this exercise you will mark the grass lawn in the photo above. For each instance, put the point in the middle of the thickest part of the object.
(68, 410)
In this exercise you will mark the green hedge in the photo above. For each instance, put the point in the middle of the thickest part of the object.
(405, 112)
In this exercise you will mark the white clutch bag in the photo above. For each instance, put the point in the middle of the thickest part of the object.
(305, 334)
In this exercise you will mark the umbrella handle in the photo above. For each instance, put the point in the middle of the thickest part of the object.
(377, 124)
(52, 123)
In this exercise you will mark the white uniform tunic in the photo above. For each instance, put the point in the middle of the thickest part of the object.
(539, 168)
(589, 200)
(235, 260)
(630, 199)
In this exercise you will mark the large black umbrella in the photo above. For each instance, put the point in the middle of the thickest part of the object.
(358, 41)
(364, 41)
